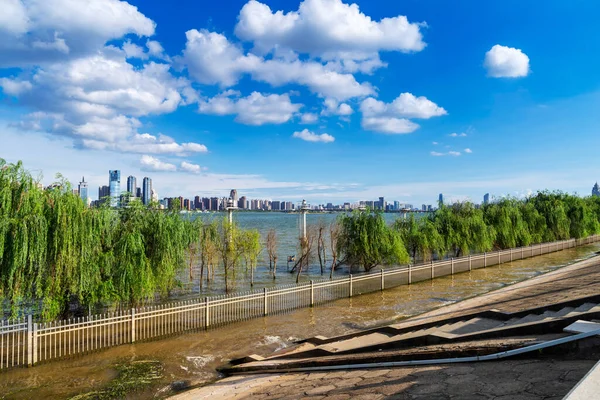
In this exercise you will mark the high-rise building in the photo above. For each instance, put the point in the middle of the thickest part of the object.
(114, 184)
(197, 203)
(138, 192)
(275, 205)
(206, 203)
(186, 204)
(381, 204)
(596, 190)
(486, 198)
(233, 195)
(214, 203)
(132, 185)
(146, 190)
(103, 194)
(441, 200)
(242, 203)
(83, 190)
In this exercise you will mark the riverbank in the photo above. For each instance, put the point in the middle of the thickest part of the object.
(191, 359)
(542, 376)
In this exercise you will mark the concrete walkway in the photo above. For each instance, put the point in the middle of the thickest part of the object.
(544, 377)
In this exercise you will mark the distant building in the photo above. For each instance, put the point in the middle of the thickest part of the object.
(596, 190)
(289, 206)
(146, 190)
(486, 198)
(132, 185)
(243, 203)
(198, 203)
(381, 203)
(186, 204)
(214, 204)
(441, 200)
(114, 184)
(276, 205)
(103, 194)
(206, 203)
(233, 195)
(83, 190)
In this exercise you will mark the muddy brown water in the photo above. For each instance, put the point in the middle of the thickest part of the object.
(194, 357)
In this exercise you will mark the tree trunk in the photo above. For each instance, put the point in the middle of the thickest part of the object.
(274, 269)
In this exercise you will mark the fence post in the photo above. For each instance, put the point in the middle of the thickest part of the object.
(432, 273)
(312, 293)
(469, 262)
(206, 313)
(34, 347)
(409, 274)
(452, 266)
(133, 325)
(350, 281)
(266, 310)
(29, 341)
(382, 279)
(484, 259)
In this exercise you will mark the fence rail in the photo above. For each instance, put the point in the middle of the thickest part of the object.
(25, 343)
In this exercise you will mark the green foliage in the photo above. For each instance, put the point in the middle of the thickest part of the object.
(420, 237)
(367, 241)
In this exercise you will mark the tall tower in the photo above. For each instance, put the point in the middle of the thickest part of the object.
(486, 198)
(83, 190)
(114, 187)
(131, 185)
(146, 190)
(441, 200)
(596, 190)
(233, 195)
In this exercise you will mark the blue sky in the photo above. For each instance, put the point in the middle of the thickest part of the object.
(321, 99)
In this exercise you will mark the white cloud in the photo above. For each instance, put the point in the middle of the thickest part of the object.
(435, 143)
(148, 144)
(149, 163)
(450, 153)
(255, 109)
(506, 62)
(309, 118)
(326, 28)
(14, 87)
(33, 32)
(454, 134)
(468, 151)
(389, 125)
(333, 107)
(393, 117)
(212, 59)
(313, 137)
(132, 50)
(192, 168)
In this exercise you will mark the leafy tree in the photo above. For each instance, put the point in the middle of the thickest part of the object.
(367, 241)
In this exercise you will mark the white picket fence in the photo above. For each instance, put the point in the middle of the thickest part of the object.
(25, 343)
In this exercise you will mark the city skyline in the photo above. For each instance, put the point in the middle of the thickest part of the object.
(408, 100)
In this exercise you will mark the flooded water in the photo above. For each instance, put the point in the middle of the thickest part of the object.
(287, 228)
(193, 357)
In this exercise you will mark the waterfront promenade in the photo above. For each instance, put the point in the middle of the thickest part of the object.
(540, 376)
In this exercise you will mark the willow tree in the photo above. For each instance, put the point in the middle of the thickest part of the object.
(509, 225)
(367, 241)
(552, 208)
(208, 250)
(230, 250)
(464, 229)
(583, 221)
(249, 241)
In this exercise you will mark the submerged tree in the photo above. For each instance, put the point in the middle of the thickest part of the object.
(334, 235)
(251, 249)
(367, 241)
(271, 243)
(321, 250)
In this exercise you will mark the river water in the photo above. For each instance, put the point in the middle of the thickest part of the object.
(287, 228)
(193, 357)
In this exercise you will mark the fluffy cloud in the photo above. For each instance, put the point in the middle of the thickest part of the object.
(313, 137)
(332, 107)
(34, 32)
(97, 100)
(506, 62)
(454, 134)
(255, 109)
(309, 118)
(189, 167)
(212, 59)
(393, 117)
(327, 29)
(149, 163)
(468, 151)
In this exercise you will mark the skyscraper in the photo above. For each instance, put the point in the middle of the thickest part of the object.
(114, 185)
(83, 190)
(596, 190)
(486, 198)
(132, 186)
(441, 200)
(233, 195)
(381, 204)
(146, 190)
(103, 194)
